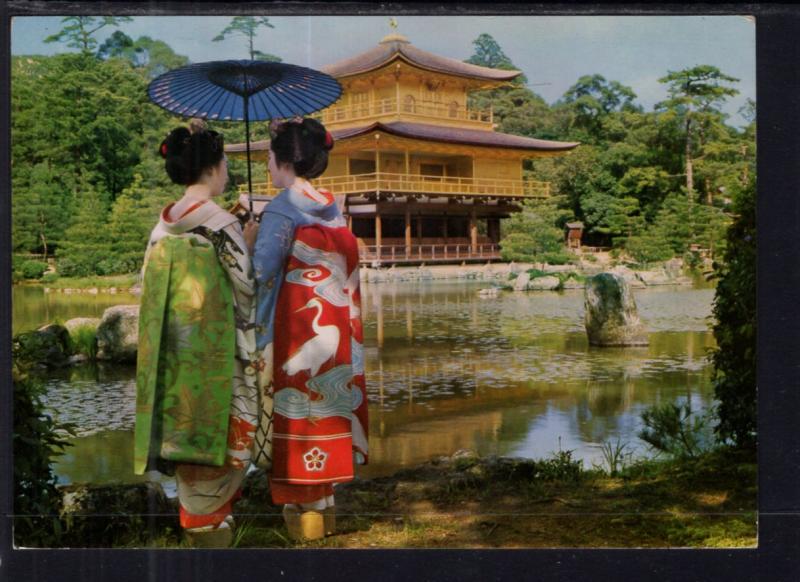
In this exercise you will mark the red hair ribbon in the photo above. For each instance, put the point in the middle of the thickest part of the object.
(328, 140)
(164, 150)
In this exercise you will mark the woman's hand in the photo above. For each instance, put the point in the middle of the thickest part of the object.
(250, 234)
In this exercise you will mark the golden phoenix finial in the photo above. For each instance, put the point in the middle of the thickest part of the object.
(393, 23)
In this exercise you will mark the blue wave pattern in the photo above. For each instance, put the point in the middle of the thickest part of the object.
(338, 399)
(330, 288)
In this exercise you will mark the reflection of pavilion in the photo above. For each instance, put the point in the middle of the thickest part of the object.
(423, 177)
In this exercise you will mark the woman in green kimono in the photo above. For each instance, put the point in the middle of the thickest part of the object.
(199, 407)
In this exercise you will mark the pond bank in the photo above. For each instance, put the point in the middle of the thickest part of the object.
(467, 501)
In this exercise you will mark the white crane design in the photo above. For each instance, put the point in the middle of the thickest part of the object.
(316, 351)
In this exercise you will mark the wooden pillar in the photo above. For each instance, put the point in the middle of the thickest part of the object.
(408, 164)
(473, 232)
(408, 232)
(350, 222)
(378, 232)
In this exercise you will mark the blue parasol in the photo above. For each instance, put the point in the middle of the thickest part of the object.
(243, 91)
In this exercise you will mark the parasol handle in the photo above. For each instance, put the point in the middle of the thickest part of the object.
(247, 141)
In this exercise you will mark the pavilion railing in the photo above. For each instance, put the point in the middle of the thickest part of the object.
(422, 184)
(428, 252)
(424, 110)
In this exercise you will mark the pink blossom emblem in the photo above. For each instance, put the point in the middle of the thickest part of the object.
(315, 459)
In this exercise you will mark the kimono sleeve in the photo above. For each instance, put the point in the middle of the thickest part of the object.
(272, 247)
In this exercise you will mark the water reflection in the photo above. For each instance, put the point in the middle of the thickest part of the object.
(32, 308)
(446, 369)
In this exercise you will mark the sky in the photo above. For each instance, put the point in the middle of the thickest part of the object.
(552, 51)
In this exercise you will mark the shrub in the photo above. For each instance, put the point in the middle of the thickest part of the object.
(33, 269)
(676, 430)
(37, 438)
(49, 278)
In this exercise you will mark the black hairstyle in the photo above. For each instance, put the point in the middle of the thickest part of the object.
(304, 144)
(187, 154)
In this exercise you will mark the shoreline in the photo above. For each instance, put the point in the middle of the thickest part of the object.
(668, 273)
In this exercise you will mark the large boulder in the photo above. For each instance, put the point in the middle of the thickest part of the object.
(611, 317)
(48, 346)
(94, 514)
(118, 334)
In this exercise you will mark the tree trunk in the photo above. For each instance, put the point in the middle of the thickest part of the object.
(688, 153)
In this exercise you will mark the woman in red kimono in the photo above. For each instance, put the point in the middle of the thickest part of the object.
(308, 328)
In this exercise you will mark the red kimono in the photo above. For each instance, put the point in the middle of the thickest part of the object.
(306, 265)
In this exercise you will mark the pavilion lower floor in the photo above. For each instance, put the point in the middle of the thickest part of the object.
(413, 234)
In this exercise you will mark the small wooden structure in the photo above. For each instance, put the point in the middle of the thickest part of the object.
(574, 234)
(418, 168)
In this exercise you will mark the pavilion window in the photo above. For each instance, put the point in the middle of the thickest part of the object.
(409, 104)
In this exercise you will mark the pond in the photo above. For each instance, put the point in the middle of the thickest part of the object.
(447, 370)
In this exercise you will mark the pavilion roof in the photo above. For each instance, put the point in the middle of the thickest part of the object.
(397, 46)
(437, 133)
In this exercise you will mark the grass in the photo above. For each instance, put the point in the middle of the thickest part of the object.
(105, 282)
(705, 502)
(84, 340)
(476, 502)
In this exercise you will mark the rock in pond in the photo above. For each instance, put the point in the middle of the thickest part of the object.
(48, 346)
(118, 334)
(611, 317)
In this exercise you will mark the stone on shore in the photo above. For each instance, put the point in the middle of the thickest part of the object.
(546, 283)
(118, 334)
(629, 275)
(611, 317)
(521, 282)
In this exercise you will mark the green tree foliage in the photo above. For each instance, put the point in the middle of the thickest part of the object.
(489, 54)
(85, 248)
(587, 105)
(734, 358)
(537, 233)
(82, 116)
(248, 27)
(37, 439)
(79, 30)
(694, 97)
(153, 57)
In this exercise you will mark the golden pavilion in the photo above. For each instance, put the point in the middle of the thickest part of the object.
(420, 176)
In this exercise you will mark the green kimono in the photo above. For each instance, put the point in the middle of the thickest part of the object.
(185, 358)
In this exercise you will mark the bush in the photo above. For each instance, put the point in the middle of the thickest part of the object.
(675, 430)
(734, 358)
(33, 269)
(37, 438)
(49, 278)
